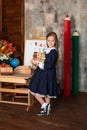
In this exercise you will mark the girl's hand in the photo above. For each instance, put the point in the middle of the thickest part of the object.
(34, 62)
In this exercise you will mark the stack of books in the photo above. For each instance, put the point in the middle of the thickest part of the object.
(39, 57)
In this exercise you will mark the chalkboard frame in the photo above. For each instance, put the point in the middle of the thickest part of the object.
(31, 46)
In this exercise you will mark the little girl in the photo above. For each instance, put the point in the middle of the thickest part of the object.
(43, 83)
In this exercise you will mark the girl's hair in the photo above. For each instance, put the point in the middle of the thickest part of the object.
(55, 36)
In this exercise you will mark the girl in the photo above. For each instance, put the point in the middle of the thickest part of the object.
(43, 84)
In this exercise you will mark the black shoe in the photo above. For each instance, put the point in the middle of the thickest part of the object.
(46, 111)
(42, 113)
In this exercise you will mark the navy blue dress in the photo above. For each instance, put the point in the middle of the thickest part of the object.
(43, 81)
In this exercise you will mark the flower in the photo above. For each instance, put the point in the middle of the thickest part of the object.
(6, 49)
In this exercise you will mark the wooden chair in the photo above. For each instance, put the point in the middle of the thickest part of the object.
(23, 70)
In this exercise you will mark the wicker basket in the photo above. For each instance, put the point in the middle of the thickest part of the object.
(22, 70)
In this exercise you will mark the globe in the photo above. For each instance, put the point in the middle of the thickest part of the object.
(14, 62)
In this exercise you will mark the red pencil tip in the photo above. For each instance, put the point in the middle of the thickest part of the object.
(67, 15)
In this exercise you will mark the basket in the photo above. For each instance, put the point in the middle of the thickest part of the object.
(22, 70)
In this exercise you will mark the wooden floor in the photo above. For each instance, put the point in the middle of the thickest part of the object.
(68, 113)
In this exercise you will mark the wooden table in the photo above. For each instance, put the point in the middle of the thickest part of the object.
(16, 78)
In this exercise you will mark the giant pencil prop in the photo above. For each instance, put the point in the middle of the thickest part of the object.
(75, 62)
(67, 56)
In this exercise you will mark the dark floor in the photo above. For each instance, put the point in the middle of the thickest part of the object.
(68, 113)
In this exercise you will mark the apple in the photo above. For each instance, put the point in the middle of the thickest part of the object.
(3, 64)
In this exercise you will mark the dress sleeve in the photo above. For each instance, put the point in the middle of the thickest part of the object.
(51, 59)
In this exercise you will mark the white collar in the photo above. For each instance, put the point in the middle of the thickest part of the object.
(49, 49)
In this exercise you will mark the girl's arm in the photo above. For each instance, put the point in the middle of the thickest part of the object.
(51, 59)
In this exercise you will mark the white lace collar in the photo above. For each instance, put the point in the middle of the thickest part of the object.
(49, 49)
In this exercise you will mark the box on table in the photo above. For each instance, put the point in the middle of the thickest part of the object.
(6, 70)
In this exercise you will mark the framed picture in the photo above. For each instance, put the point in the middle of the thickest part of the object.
(31, 46)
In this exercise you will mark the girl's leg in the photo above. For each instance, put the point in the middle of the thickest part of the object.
(40, 99)
(44, 105)
(47, 99)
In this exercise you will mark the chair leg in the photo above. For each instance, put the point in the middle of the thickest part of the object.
(13, 98)
(27, 109)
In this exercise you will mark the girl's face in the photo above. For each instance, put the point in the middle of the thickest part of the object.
(51, 41)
